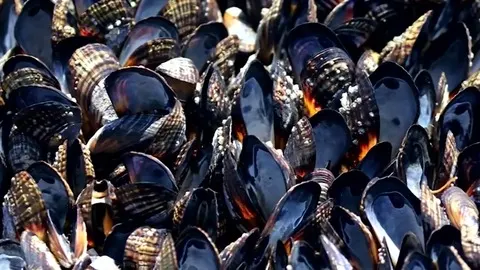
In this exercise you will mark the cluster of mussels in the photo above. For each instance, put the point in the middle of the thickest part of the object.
(249, 134)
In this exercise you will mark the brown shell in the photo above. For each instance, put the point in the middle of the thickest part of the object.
(225, 53)
(89, 65)
(26, 205)
(181, 74)
(154, 52)
(26, 77)
(142, 248)
(103, 16)
(167, 258)
(60, 163)
(433, 215)
(300, 148)
(461, 210)
(400, 47)
(443, 97)
(39, 256)
(61, 27)
(185, 14)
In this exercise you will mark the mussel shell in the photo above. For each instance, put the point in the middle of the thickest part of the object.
(347, 189)
(461, 210)
(467, 170)
(300, 148)
(264, 179)
(239, 253)
(384, 202)
(293, 212)
(56, 194)
(27, 77)
(64, 21)
(413, 161)
(116, 241)
(332, 138)
(149, 8)
(397, 100)
(82, 5)
(202, 43)
(355, 33)
(196, 251)
(21, 61)
(143, 168)
(252, 113)
(128, 87)
(449, 258)
(23, 150)
(303, 256)
(412, 253)
(27, 96)
(427, 98)
(441, 239)
(185, 14)
(62, 53)
(142, 247)
(307, 40)
(356, 236)
(39, 256)
(198, 208)
(33, 29)
(181, 74)
(376, 160)
(144, 31)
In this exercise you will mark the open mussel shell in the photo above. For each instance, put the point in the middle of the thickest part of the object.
(332, 138)
(198, 208)
(252, 113)
(33, 29)
(63, 51)
(413, 161)
(25, 70)
(467, 167)
(295, 210)
(201, 45)
(239, 253)
(123, 86)
(182, 75)
(376, 160)
(146, 35)
(142, 247)
(347, 189)
(196, 250)
(397, 100)
(303, 256)
(356, 236)
(256, 183)
(458, 127)
(307, 40)
(427, 98)
(384, 202)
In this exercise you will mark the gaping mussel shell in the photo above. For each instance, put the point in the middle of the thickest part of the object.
(201, 46)
(151, 192)
(33, 29)
(458, 127)
(150, 42)
(413, 161)
(320, 63)
(252, 112)
(196, 250)
(154, 126)
(295, 210)
(255, 184)
(397, 100)
(25, 70)
(384, 202)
